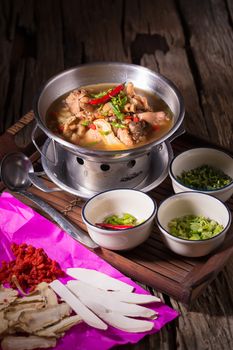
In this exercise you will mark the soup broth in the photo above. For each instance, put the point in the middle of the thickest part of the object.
(109, 117)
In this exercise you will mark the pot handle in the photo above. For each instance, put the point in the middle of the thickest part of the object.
(180, 131)
(55, 158)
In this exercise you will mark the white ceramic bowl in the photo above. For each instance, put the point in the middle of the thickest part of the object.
(119, 201)
(196, 157)
(195, 203)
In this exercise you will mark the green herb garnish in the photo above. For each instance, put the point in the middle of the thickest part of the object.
(117, 111)
(118, 125)
(104, 133)
(117, 103)
(85, 123)
(101, 93)
(194, 227)
(204, 178)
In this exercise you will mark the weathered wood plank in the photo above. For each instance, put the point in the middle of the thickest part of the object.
(213, 56)
(94, 28)
(161, 47)
(47, 56)
(209, 323)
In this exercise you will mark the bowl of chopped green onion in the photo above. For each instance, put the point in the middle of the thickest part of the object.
(119, 219)
(193, 224)
(208, 170)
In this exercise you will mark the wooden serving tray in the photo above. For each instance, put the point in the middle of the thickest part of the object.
(151, 263)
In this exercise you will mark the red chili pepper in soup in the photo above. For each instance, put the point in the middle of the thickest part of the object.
(108, 96)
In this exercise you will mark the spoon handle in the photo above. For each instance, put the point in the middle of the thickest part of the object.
(77, 233)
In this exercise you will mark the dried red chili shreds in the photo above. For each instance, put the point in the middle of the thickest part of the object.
(31, 266)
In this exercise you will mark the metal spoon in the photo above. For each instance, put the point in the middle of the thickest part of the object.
(14, 172)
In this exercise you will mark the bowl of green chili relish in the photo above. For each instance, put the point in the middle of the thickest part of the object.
(119, 219)
(192, 223)
(208, 170)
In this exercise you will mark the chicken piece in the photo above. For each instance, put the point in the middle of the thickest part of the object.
(78, 100)
(59, 328)
(70, 123)
(130, 89)
(90, 137)
(32, 321)
(130, 108)
(124, 136)
(27, 343)
(3, 323)
(81, 130)
(107, 109)
(7, 296)
(142, 102)
(138, 130)
(154, 118)
(73, 100)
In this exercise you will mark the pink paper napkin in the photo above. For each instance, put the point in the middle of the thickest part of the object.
(19, 223)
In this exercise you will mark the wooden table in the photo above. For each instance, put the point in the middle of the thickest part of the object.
(190, 42)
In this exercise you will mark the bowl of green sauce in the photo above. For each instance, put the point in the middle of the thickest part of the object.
(207, 170)
(192, 223)
(119, 219)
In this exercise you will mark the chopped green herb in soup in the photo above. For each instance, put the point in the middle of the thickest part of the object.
(204, 178)
(109, 117)
(194, 227)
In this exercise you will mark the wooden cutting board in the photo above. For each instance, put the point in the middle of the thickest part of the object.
(151, 263)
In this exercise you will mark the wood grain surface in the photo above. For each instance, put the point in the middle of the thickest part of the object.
(190, 42)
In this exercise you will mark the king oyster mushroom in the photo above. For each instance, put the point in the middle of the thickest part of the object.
(117, 320)
(98, 279)
(87, 315)
(88, 293)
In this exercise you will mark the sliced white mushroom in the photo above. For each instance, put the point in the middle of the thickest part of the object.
(119, 321)
(88, 316)
(99, 279)
(135, 298)
(87, 292)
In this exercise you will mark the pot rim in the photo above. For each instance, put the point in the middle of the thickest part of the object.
(92, 152)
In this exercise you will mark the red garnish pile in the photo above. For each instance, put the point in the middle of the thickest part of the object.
(31, 266)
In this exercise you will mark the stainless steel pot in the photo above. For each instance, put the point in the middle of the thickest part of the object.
(110, 169)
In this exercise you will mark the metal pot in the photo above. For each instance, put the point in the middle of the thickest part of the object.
(110, 169)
